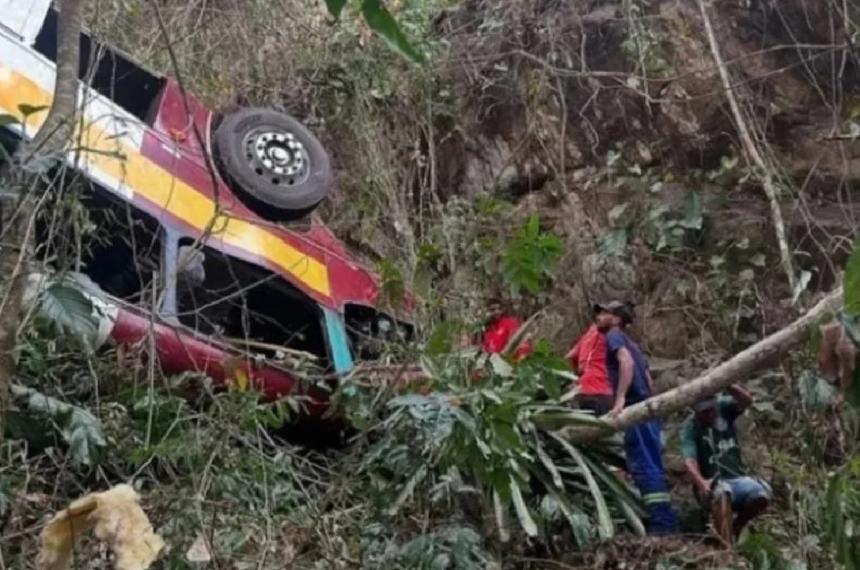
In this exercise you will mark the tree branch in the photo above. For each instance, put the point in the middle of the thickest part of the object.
(752, 151)
(17, 214)
(739, 368)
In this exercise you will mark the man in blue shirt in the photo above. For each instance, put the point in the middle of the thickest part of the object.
(632, 383)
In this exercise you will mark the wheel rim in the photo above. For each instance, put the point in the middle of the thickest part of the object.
(276, 155)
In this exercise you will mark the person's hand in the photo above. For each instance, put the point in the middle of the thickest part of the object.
(705, 489)
(616, 409)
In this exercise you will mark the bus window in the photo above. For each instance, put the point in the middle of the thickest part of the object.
(247, 306)
(113, 243)
(107, 71)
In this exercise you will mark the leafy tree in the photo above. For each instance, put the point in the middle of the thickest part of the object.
(380, 20)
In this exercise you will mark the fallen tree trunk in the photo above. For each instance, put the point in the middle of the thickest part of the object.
(739, 368)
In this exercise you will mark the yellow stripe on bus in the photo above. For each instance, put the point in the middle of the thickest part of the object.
(119, 161)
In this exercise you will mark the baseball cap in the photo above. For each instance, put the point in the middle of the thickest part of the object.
(617, 308)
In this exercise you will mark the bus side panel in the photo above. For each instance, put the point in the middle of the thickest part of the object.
(24, 17)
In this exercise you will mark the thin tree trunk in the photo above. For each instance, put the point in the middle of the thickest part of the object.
(737, 369)
(16, 214)
(752, 151)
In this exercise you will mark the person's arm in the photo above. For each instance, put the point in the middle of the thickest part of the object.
(625, 379)
(690, 455)
(743, 399)
(702, 484)
(573, 355)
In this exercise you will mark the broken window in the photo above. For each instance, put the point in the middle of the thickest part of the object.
(369, 330)
(107, 71)
(116, 245)
(246, 305)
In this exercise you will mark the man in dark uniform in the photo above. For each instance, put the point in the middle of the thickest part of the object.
(631, 381)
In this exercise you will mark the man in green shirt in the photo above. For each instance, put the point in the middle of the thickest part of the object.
(713, 461)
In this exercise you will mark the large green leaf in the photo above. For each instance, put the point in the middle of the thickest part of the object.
(693, 209)
(851, 282)
(335, 7)
(619, 489)
(815, 392)
(605, 527)
(69, 311)
(81, 430)
(526, 520)
(545, 459)
(579, 521)
(380, 20)
(501, 518)
(633, 519)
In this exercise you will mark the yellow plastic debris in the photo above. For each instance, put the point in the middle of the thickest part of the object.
(116, 518)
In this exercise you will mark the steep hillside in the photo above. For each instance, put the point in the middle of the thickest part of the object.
(548, 155)
(607, 119)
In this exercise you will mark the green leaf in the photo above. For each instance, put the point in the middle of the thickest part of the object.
(335, 7)
(442, 339)
(620, 490)
(838, 522)
(530, 258)
(815, 393)
(69, 311)
(801, 285)
(501, 519)
(500, 366)
(28, 110)
(579, 521)
(547, 462)
(633, 519)
(526, 520)
(407, 490)
(759, 260)
(605, 527)
(617, 213)
(692, 212)
(81, 430)
(851, 282)
(614, 243)
(380, 20)
(558, 419)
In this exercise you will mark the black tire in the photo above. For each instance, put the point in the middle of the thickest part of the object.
(272, 162)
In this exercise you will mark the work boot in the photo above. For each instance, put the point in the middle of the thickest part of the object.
(722, 518)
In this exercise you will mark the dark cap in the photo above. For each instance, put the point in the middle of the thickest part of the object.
(618, 308)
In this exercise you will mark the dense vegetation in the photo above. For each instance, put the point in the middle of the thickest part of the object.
(547, 154)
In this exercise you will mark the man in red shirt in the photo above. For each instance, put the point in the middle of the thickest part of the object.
(499, 333)
(588, 359)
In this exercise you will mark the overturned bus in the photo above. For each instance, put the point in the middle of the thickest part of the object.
(195, 245)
